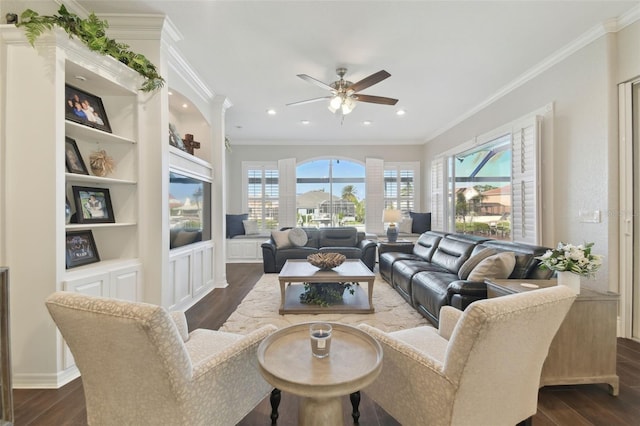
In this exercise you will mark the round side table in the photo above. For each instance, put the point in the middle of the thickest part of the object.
(286, 362)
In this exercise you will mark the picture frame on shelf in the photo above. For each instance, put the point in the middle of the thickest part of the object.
(93, 205)
(80, 249)
(174, 137)
(86, 109)
(73, 159)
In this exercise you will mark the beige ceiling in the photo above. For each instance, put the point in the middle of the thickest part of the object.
(446, 58)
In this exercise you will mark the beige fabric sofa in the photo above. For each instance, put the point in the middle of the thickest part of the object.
(481, 367)
(141, 366)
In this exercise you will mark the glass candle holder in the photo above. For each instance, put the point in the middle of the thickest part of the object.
(320, 335)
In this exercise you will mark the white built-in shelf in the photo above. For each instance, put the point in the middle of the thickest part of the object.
(75, 177)
(76, 130)
(78, 226)
(98, 267)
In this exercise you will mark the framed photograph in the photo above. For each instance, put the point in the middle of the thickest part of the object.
(84, 108)
(174, 137)
(80, 248)
(93, 205)
(75, 163)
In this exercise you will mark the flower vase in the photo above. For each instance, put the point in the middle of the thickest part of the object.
(570, 280)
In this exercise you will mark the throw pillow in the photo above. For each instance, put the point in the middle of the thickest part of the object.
(421, 222)
(298, 237)
(473, 261)
(250, 227)
(497, 266)
(234, 224)
(405, 226)
(281, 238)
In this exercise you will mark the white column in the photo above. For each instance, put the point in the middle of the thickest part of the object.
(219, 106)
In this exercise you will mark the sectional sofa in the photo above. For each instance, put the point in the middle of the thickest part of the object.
(449, 269)
(346, 240)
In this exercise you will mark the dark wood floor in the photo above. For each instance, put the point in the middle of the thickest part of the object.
(557, 405)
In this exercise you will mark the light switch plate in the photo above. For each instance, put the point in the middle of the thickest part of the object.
(589, 216)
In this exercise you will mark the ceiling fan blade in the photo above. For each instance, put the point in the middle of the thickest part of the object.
(308, 101)
(369, 81)
(375, 99)
(314, 81)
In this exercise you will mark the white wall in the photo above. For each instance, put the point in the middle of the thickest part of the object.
(359, 153)
(580, 146)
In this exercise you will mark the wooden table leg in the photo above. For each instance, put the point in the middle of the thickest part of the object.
(282, 289)
(370, 291)
(275, 403)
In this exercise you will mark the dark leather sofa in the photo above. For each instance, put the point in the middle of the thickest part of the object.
(426, 275)
(346, 240)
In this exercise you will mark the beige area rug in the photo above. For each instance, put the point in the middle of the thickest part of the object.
(261, 305)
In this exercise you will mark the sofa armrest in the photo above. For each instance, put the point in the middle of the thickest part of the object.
(368, 249)
(180, 320)
(448, 320)
(462, 293)
(269, 256)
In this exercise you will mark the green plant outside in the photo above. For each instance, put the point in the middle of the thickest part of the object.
(91, 32)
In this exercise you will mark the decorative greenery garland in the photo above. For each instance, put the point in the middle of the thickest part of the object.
(324, 294)
(91, 32)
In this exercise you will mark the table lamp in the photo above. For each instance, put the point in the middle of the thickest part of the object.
(391, 216)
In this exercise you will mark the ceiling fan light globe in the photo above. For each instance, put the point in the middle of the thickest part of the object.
(335, 102)
(332, 109)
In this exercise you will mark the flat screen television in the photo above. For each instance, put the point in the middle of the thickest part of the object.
(189, 210)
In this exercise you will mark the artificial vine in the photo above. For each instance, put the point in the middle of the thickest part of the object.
(91, 32)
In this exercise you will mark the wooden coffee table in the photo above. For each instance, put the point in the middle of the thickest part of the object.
(296, 272)
(286, 362)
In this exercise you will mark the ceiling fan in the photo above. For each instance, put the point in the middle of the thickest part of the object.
(344, 94)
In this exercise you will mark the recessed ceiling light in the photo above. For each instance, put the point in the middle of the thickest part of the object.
(401, 112)
(185, 106)
(305, 122)
(366, 123)
(170, 93)
(271, 111)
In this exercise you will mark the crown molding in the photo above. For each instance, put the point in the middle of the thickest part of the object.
(184, 69)
(610, 25)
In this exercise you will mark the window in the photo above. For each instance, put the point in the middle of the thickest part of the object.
(330, 192)
(262, 194)
(482, 189)
(400, 182)
(491, 188)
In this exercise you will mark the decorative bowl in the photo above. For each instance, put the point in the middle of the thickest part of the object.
(326, 261)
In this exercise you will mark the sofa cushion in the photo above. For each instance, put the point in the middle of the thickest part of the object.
(452, 253)
(497, 266)
(349, 252)
(338, 237)
(426, 245)
(421, 222)
(473, 261)
(298, 237)
(281, 238)
(250, 227)
(234, 224)
(405, 226)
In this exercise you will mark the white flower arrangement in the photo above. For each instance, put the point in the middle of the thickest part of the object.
(568, 257)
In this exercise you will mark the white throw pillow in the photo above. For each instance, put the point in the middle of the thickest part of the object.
(405, 226)
(498, 266)
(250, 227)
(298, 237)
(281, 238)
(473, 261)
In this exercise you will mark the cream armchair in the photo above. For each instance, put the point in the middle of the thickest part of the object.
(140, 366)
(481, 367)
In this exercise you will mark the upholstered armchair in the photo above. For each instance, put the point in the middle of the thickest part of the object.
(140, 366)
(481, 367)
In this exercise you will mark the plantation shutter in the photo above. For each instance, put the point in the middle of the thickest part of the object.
(437, 194)
(374, 190)
(287, 198)
(525, 185)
